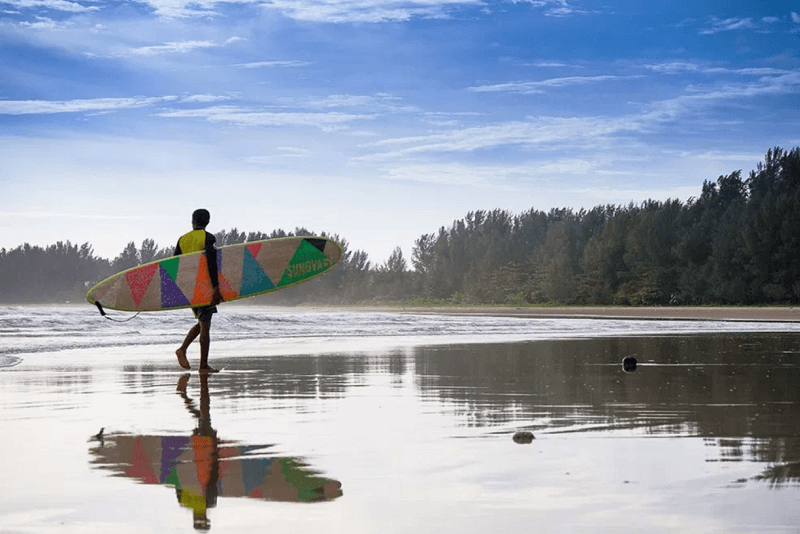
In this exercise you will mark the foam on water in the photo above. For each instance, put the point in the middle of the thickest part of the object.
(9, 361)
(26, 330)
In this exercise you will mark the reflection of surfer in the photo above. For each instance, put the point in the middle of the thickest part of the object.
(199, 492)
(202, 468)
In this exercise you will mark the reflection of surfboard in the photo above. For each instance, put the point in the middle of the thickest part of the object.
(245, 270)
(187, 463)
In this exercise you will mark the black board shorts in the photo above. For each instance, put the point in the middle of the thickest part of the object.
(204, 313)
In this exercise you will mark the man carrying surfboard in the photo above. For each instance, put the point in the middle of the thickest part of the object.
(196, 241)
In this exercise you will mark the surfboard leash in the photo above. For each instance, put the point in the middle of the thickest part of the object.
(103, 313)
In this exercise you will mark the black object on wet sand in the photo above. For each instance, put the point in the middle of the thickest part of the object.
(523, 437)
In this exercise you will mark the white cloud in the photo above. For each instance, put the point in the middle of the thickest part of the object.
(43, 107)
(784, 83)
(334, 11)
(698, 95)
(759, 71)
(274, 63)
(756, 71)
(205, 99)
(330, 121)
(533, 132)
(186, 8)
(723, 25)
(561, 132)
(552, 64)
(764, 24)
(342, 11)
(447, 119)
(339, 11)
(717, 155)
(44, 23)
(674, 67)
(338, 101)
(380, 102)
(172, 47)
(677, 67)
(282, 154)
(55, 5)
(537, 87)
(553, 8)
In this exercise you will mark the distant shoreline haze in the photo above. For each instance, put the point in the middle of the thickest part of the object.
(738, 242)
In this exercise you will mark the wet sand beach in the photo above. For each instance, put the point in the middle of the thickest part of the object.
(370, 421)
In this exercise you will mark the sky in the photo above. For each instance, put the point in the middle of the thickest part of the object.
(377, 120)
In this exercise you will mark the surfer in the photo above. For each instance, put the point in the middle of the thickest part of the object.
(195, 241)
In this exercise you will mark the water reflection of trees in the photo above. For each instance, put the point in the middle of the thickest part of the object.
(780, 474)
(736, 390)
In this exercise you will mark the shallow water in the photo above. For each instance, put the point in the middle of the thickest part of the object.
(392, 423)
(26, 330)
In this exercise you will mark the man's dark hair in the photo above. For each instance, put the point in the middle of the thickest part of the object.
(201, 218)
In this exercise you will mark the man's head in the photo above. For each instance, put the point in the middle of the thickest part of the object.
(200, 219)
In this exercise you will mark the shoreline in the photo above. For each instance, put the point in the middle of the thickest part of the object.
(785, 314)
(696, 313)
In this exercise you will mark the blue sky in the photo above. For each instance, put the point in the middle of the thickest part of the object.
(379, 120)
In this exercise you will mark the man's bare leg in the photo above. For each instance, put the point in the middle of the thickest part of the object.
(205, 341)
(181, 352)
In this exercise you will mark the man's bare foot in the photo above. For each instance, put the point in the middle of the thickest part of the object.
(208, 370)
(182, 361)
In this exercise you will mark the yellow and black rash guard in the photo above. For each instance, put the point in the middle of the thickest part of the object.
(200, 240)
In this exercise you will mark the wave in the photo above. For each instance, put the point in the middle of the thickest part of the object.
(9, 361)
(47, 329)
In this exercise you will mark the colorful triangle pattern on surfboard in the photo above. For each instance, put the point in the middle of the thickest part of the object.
(183, 281)
(308, 260)
(139, 281)
(254, 279)
(171, 294)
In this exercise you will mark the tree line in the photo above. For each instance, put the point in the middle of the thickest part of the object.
(738, 242)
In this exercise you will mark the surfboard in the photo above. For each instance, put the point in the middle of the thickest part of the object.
(245, 270)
